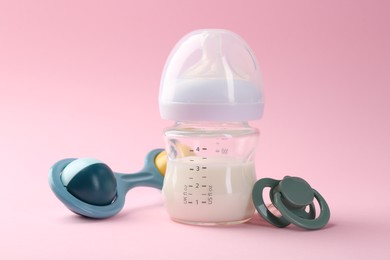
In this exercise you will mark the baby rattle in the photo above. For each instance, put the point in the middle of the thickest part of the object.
(90, 188)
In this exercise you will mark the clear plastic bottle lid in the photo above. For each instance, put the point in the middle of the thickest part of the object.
(211, 75)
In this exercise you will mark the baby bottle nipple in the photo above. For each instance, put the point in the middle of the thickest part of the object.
(213, 63)
(211, 75)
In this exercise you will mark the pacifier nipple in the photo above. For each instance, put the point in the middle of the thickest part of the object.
(291, 196)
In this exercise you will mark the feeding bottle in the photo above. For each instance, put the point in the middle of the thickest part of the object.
(211, 88)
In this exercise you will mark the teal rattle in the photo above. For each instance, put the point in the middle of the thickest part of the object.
(291, 196)
(89, 187)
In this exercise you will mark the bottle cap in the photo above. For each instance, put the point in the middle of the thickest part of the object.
(211, 75)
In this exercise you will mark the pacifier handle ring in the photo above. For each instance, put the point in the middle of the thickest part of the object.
(258, 201)
(78, 206)
(311, 224)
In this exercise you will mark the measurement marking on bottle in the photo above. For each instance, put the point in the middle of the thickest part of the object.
(223, 151)
(204, 186)
(191, 160)
(204, 177)
(204, 167)
(204, 194)
(190, 202)
(189, 193)
(191, 178)
(190, 186)
(191, 169)
(204, 158)
(203, 202)
(198, 149)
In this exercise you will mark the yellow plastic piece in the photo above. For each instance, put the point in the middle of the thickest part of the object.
(161, 162)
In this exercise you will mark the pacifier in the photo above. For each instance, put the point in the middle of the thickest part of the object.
(291, 197)
(88, 187)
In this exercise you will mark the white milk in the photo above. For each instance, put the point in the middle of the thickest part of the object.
(209, 190)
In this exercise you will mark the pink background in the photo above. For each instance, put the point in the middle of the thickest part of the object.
(81, 78)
